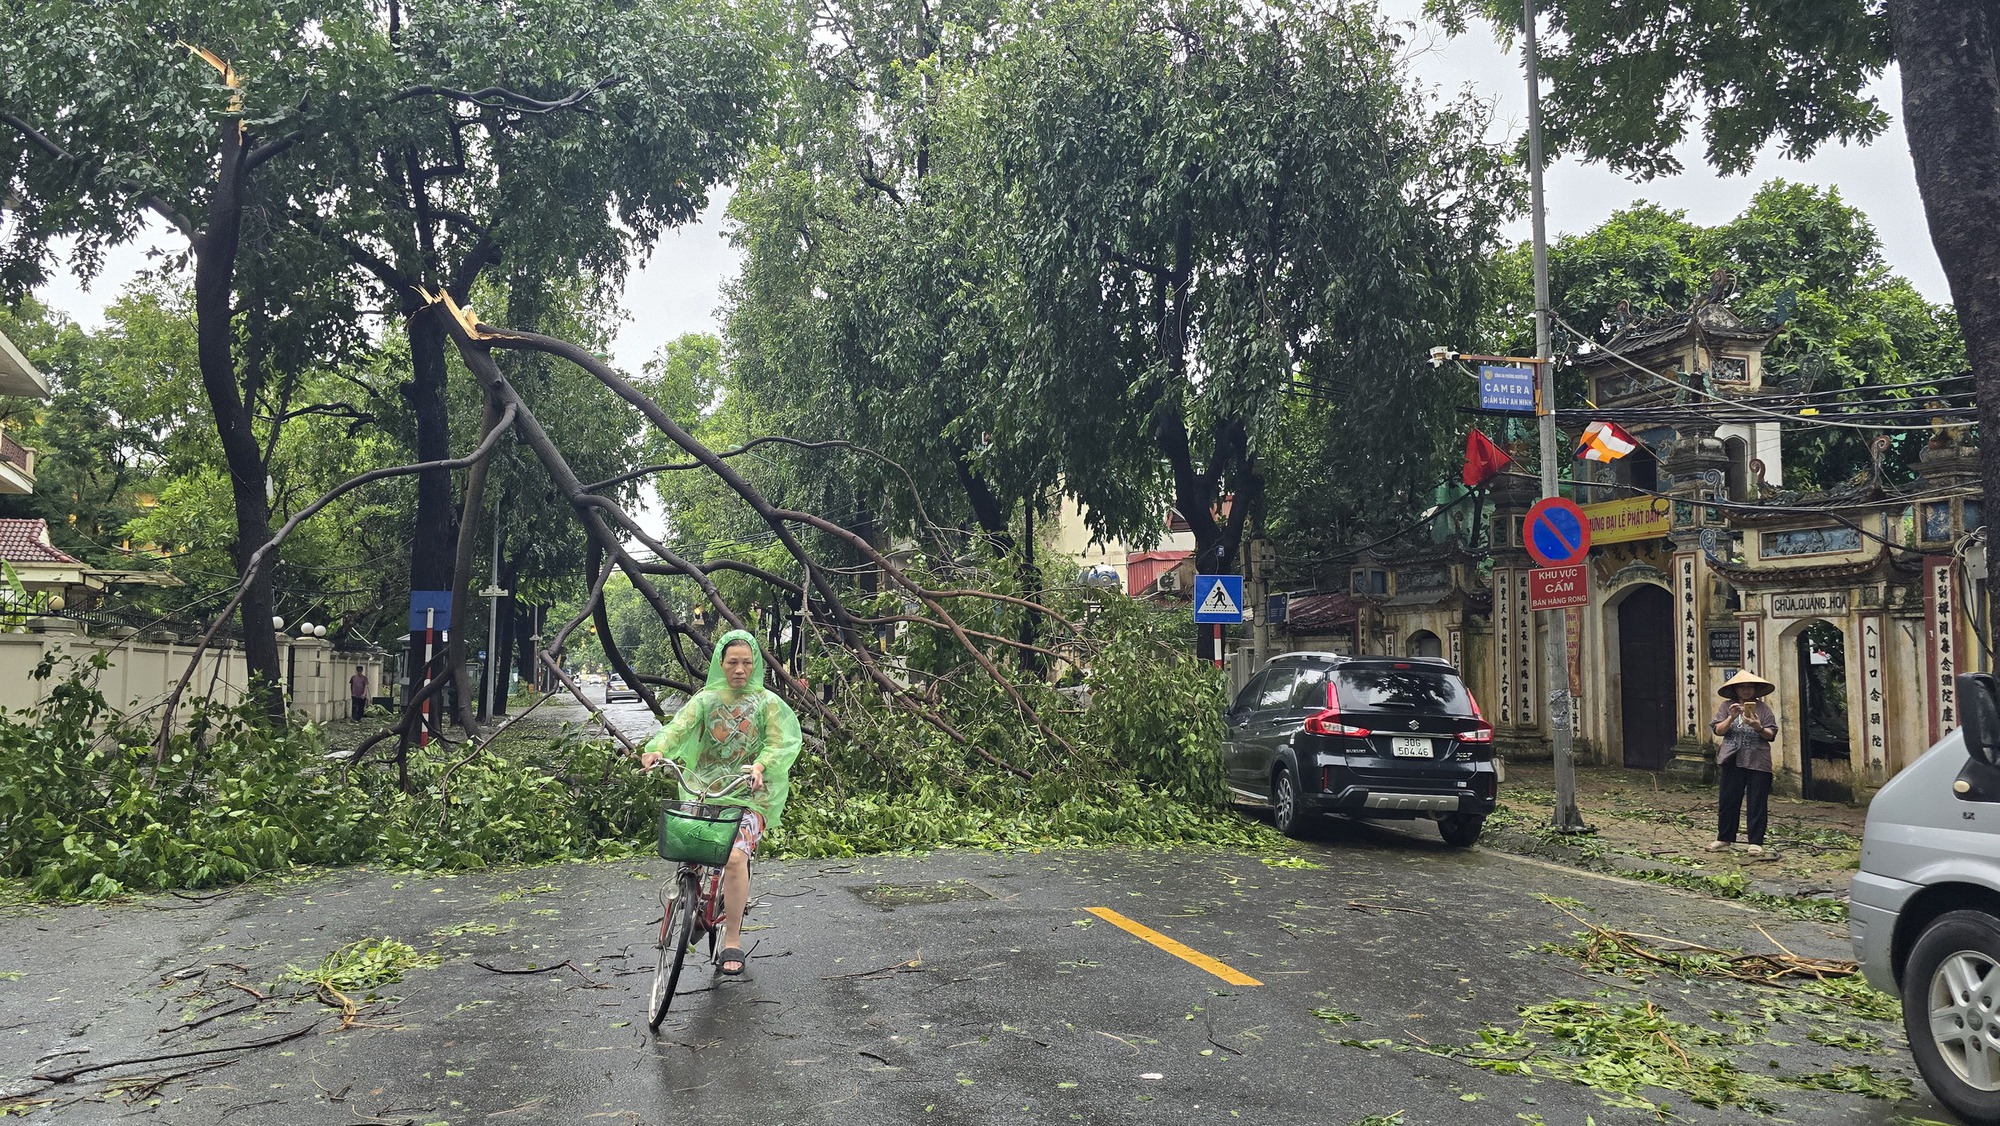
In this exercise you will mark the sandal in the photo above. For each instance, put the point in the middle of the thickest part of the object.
(732, 954)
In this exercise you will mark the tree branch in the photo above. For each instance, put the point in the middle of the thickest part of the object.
(55, 151)
(258, 556)
(499, 97)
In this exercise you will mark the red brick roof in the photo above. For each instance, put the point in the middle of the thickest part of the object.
(1311, 613)
(27, 541)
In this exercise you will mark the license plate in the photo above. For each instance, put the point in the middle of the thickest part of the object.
(1405, 746)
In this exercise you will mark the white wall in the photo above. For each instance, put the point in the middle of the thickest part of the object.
(142, 673)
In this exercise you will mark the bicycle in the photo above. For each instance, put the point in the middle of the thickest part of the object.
(698, 836)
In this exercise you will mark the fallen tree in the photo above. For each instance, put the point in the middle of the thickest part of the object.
(973, 658)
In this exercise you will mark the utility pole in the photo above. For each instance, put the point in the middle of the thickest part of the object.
(495, 668)
(1566, 818)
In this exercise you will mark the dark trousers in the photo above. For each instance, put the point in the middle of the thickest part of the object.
(360, 705)
(1737, 781)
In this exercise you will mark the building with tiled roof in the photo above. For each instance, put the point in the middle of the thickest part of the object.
(18, 379)
(25, 546)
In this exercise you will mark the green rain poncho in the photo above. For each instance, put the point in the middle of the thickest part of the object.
(720, 731)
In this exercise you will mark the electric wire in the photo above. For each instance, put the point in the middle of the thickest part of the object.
(1804, 420)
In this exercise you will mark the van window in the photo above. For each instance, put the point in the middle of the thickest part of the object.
(1277, 690)
(1247, 698)
(1309, 692)
(1368, 688)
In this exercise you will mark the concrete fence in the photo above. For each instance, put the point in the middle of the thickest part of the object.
(142, 672)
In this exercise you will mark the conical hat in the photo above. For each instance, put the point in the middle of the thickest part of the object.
(1763, 687)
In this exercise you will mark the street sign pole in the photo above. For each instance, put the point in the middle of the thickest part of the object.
(430, 642)
(1566, 818)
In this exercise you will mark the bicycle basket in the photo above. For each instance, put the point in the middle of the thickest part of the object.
(698, 834)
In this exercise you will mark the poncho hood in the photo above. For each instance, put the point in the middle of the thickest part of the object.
(717, 680)
(722, 730)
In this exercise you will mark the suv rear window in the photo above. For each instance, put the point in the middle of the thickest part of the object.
(1369, 688)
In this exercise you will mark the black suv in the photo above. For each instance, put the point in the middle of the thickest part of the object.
(1376, 737)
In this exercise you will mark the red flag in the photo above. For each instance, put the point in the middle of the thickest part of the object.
(1483, 459)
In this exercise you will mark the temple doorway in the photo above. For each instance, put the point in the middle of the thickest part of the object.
(1646, 677)
(1825, 753)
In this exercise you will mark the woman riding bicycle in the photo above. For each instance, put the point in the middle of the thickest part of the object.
(732, 725)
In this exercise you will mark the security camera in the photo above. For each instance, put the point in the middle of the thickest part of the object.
(1441, 355)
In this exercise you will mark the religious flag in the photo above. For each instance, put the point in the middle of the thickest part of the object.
(1483, 459)
(1605, 441)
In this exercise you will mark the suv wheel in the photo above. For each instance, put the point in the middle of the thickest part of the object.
(1461, 830)
(1285, 812)
(1951, 1012)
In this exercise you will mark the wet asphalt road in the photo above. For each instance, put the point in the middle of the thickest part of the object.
(958, 987)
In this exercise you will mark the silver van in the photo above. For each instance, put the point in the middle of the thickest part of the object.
(1925, 912)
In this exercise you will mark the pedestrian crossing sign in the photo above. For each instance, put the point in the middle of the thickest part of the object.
(1218, 599)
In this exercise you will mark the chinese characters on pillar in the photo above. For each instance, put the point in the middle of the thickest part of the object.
(1524, 648)
(1941, 623)
(1503, 635)
(1455, 645)
(1752, 661)
(1684, 599)
(1875, 728)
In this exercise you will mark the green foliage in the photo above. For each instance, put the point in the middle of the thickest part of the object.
(1802, 262)
(362, 965)
(85, 811)
(1626, 80)
(1621, 1050)
(1144, 768)
(1117, 251)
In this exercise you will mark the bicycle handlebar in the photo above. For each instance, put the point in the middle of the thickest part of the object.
(734, 784)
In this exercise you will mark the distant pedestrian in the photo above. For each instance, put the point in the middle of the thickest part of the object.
(357, 690)
(1747, 726)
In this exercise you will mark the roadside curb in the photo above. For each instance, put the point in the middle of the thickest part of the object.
(1538, 847)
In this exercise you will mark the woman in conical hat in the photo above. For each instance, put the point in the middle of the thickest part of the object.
(1747, 726)
(735, 724)
(1759, 686)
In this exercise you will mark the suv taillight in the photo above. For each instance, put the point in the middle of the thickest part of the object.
(1475, 744)
(1328, 722)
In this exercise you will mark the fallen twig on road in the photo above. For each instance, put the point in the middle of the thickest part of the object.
(211, 1015)
(590, 982)
(1364, 905)
(72, 1073)
(914, 965)
(1602, 948)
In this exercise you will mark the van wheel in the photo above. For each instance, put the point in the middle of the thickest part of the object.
(1461, 830)
(1285, 812)
(1951, 1012)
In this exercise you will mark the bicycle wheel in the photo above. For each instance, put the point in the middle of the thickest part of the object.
(677, 925)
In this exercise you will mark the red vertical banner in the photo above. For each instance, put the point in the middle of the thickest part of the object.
(1503, 638)
(1687, 614)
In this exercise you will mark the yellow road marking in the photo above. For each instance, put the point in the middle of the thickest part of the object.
(1184, 953)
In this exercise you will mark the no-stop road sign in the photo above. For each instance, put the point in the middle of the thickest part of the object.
(1556, 532)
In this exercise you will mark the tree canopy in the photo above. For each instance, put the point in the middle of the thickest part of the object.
(1098, 248)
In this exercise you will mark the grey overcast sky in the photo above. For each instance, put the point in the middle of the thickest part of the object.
(678, 288)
